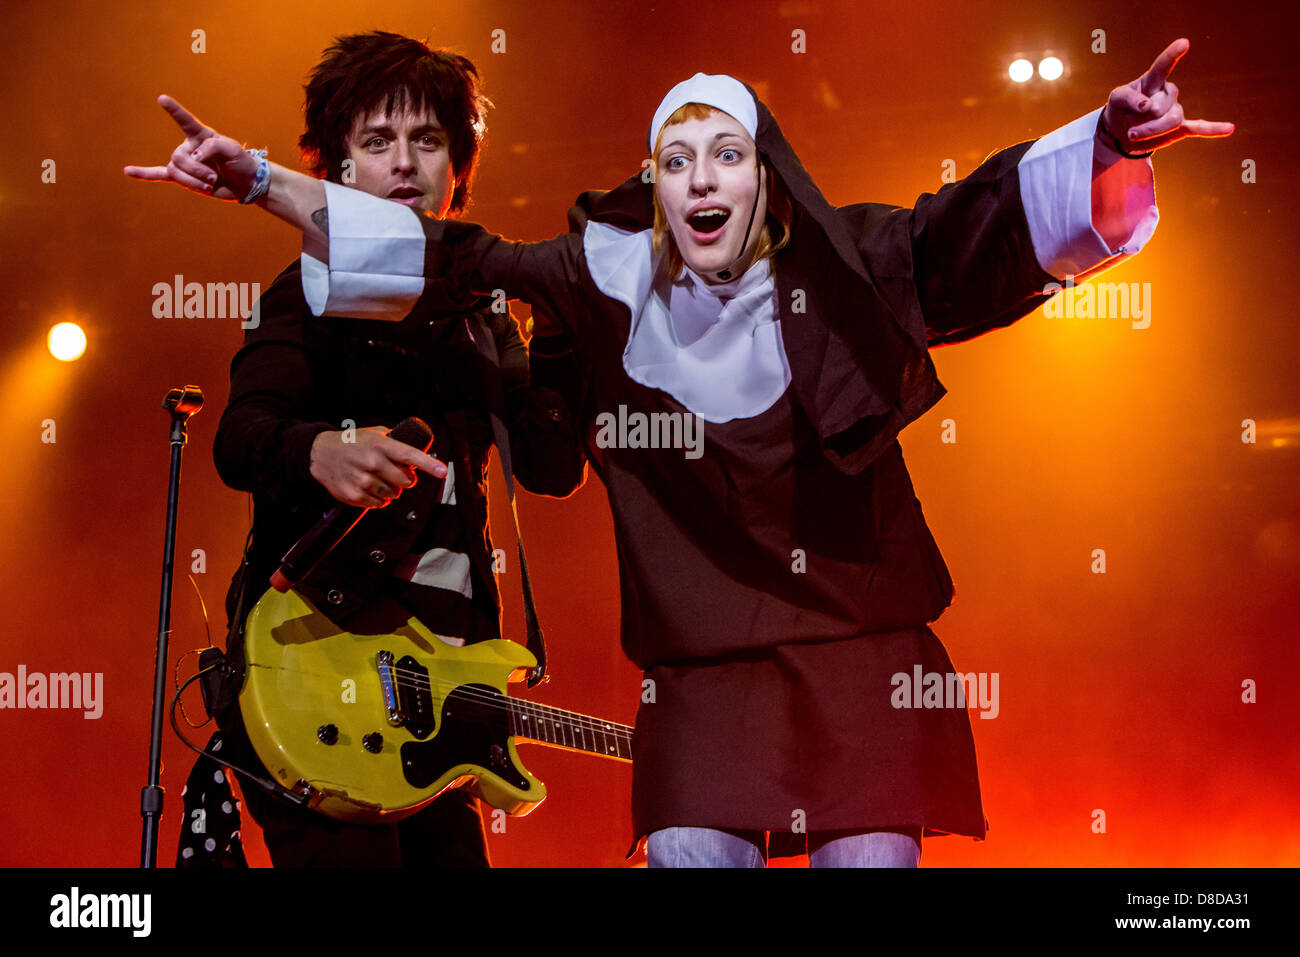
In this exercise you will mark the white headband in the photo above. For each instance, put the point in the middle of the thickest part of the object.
(719, 91)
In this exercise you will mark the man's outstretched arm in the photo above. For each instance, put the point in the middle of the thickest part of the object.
(214, 165)
(378, 261)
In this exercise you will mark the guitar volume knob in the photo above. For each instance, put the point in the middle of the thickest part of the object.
(328, 734)
(373, 742)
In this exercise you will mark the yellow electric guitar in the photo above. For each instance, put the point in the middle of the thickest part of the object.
(371, 727)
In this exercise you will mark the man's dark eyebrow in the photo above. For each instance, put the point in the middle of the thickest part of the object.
(387, 128)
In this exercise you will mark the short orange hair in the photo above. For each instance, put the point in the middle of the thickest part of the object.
(779, 206)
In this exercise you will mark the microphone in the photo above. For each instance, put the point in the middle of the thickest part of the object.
(322, 537)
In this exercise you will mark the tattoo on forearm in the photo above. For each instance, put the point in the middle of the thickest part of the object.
(322, 220)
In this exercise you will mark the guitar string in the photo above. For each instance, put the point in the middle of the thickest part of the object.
(499, 702)
(581, 740)
(411, 678)
(590, 746)
(421, 681)
(502, 702)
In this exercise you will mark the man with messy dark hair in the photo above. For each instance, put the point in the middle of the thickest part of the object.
(369, 72)
(310, 399)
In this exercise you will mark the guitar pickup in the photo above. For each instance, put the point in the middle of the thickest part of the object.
(415, 696)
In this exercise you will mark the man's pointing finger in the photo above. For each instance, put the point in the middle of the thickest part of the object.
(153, 173)
(1154, 79)
(183, 117)
(409, 455)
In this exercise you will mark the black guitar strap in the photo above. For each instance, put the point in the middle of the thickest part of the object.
(481, 333)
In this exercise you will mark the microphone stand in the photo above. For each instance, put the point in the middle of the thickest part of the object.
(181, 403)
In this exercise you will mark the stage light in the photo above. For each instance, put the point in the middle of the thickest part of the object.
(1021, 71)
(67, 342)
(1050, 68)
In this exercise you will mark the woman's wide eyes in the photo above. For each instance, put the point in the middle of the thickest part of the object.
(727, 156)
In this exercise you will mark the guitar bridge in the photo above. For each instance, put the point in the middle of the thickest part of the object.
(388, 682)
(408, 697)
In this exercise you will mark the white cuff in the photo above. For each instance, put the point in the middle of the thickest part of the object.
(1056, 188)
(376, 251)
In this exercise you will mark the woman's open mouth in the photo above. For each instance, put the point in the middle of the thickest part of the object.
(708, 224)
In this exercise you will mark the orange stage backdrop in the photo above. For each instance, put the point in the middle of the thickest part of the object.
(1120, 692)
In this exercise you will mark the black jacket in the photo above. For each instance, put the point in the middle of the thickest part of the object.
(298, 375)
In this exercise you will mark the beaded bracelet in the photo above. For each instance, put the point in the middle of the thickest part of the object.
(262, 182)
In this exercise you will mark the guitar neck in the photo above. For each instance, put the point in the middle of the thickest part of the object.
(570, 730)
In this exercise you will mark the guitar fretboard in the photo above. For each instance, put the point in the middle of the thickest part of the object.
(568, 729)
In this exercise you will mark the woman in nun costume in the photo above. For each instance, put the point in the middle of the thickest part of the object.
(749, 356)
